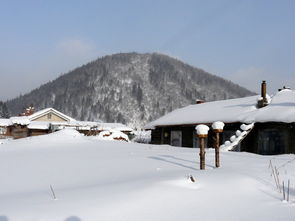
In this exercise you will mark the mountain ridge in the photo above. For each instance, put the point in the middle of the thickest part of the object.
(130, 88)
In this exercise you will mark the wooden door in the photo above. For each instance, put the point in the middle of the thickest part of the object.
(176, 138)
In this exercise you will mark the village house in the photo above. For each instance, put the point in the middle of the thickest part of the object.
(50, 120)
(258, 124)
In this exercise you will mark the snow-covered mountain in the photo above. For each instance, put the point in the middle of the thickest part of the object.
(129, 88)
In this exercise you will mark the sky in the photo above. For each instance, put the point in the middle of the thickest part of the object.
(243, 41)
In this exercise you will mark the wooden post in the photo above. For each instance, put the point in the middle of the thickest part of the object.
(216, 144)
(217, 129)
(202, 151)
(202, 131)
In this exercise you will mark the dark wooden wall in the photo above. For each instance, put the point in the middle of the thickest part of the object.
(292, 138)
(37, 132)
(19, 131)
(283, 136)
(252, 143)
(156, 136)
(162, 135)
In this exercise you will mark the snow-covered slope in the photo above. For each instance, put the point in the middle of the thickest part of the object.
(128, 88)
(111, 180)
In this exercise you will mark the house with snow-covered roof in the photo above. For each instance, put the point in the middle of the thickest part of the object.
(50, 120)
(51, 115)
(258, 124)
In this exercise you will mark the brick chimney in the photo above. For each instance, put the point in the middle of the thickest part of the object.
(28, 111)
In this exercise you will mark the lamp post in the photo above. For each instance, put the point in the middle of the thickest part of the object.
(202, 132)
(217, 129)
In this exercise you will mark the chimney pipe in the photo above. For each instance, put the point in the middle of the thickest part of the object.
(263, 101)
(263, 90)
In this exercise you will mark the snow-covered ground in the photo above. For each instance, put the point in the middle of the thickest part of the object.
(113, 180)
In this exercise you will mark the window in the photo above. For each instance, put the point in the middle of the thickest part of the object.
(49, 116)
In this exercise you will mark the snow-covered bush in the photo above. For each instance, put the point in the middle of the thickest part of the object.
(141, 136)
(104, 134)
(112, 135)
(118, 135)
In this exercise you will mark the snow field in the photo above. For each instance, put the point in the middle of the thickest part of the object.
(113, 180)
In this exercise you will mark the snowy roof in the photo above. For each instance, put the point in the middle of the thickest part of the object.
(87, 125)
(226, 111)
(41, 125)
(23, 120)
(50, 110)
(82, 125)
(280, 109)
(103, 126)
(5, 122)
(115, 126)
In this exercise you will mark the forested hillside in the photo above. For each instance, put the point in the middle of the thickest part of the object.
(130, 88)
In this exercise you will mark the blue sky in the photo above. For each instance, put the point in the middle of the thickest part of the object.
(243, 41)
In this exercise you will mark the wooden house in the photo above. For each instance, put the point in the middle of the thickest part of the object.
(50, 120)
(50, 115)
(18, 127)
(273, 120)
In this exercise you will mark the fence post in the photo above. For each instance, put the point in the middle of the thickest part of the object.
(202, 132)
(217, 129)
